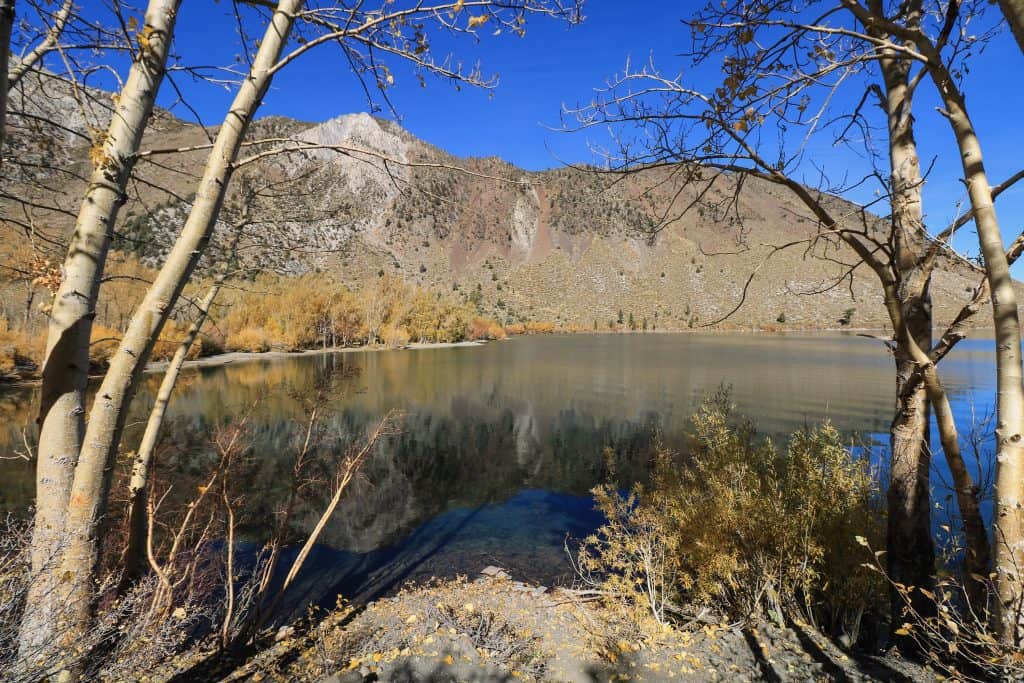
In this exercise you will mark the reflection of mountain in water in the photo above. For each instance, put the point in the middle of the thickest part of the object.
(466, 459)
(525, 535)
(501, 443)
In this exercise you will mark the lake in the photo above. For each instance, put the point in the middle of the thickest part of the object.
(501, 443)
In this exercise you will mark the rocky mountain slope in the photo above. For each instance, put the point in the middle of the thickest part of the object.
(570, 246)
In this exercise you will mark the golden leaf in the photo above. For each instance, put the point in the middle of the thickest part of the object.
(479, 20)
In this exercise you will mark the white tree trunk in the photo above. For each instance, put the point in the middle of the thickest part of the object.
(47, 45)
(66, 363)
(1008, 537)
(90, 487)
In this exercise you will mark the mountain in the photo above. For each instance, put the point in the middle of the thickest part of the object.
(568, 245)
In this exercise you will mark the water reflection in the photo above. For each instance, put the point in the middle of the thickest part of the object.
(501, 443)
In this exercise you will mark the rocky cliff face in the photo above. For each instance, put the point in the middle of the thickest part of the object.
(567, 245)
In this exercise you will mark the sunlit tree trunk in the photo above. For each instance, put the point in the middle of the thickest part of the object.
(66, 362)
(1008, 536)
(47, 45)
(14, 75)
(978, 553)
(90, 488)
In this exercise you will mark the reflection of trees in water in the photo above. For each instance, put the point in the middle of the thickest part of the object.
(17, 424)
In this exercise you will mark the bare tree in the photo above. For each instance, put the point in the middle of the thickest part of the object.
(66, 364)
(791, 71)
(76, 460)
(939, 54)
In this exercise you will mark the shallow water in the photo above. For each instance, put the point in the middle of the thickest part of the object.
(500, 444)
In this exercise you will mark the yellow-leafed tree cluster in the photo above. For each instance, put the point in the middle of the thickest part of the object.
(314, 311)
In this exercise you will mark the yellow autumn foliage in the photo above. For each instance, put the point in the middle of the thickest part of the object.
(16, 348)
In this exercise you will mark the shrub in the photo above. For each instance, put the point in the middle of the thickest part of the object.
(485, 328)
(212, 343)
(959, 638)
(540, 328)
(251, 339)
(744, 528)
(19, 352)
(103, 342)
(170, 339)
(395, 336)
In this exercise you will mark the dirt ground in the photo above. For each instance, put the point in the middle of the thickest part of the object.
(494, 628)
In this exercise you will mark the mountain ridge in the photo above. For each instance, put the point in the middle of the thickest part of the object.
(574, 247)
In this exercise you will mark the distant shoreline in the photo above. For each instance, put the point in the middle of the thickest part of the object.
(222, 359)
(230, 357)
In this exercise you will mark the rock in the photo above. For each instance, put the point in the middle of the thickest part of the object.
(345, 677)
(283, 633)
(491, 570)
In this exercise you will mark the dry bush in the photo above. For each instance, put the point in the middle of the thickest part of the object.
(199, 598)
(127, 637)
(103, 342)
(211, 343)
(19, 351)
(478, 328)
(959, 637)
(629, 558)
(485, 328)
(540, 328)
(496, 331)
(395, 336)
(515, 328)
(170, 339)
(14, 575)
(744, 528)
(250, 339)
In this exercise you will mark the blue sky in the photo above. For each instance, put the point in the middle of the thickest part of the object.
(556, 64)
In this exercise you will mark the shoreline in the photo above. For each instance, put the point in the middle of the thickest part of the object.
(229, 357)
